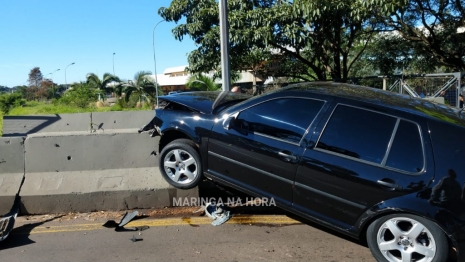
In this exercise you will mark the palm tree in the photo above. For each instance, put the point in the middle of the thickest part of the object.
(103, 85)
(118, 89)
(202, 82)
(142, 85)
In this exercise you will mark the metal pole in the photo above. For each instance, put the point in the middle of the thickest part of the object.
(155, 60)
(66, 83)
(114, 63)
(224, 42)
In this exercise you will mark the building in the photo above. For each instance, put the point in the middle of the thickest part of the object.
(175, 79)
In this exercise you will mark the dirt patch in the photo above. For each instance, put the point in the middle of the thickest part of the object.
(115, 215)
(174, 212)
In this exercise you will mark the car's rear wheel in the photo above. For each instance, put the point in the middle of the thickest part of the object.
(405, 237)
(180, 164)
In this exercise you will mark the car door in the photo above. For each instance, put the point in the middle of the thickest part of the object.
(361, 156)
(258, 148)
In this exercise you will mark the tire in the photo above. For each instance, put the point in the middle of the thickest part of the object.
(405, 237)
(180, 164)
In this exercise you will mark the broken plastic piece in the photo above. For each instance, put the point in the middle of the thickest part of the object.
(134, 239)
(127, 218)
(218, 213)
(142, 228)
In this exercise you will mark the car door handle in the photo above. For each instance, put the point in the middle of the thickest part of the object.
(391, 185)
(288, 156)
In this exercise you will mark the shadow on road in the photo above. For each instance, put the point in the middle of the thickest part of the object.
(208, 189)
(20, 236)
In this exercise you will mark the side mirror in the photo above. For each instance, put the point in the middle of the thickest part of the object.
(229, 121)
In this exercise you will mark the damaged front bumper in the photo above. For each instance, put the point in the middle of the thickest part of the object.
(152, 128)
(6, 225)
(7, 221)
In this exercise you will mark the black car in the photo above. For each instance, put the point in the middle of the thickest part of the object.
(374, 165)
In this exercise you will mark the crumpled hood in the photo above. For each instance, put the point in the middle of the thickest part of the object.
(202, 100)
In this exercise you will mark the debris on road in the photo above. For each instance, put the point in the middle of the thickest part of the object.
(218, 213)
(134, 239)
(127, 218)
(119, 227)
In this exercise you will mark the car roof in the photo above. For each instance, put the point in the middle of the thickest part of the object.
(393, 100)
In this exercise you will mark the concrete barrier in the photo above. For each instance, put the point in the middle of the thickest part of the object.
(82, 172)
(82, 151)
(26, 125)
(121, 119)
(86, 122)
(11, 171)
(81, 163)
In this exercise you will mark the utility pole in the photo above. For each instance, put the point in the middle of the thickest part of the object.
(224, 42)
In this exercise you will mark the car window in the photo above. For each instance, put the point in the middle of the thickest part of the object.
(284, 118)
(365, 135)
(358, 133)
(406, 152)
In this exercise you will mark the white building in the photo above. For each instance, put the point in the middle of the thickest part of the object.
(175, 78)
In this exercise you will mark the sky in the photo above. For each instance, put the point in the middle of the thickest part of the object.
(52, 34)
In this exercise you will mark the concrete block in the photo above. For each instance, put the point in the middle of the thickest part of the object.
(11, 155)
(121, 119)
(11, 171)
(79, 151)
(9, 187)
(85, 191)
(25, 125)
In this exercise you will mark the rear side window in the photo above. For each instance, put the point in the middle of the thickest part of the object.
(407, 151)
(358, 133)
(366, 135)
(284, 118)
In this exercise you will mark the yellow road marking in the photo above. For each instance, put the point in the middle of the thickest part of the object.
(241, 220)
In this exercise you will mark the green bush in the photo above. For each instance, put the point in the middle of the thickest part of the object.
(8, 101)
(80, 95)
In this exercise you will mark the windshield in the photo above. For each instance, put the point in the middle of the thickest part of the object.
(227, 105)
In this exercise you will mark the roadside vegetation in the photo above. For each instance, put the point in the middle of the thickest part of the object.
(95, 95)
(338, 40)
(301, 40)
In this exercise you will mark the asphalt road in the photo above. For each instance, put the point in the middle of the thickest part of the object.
(181, 238)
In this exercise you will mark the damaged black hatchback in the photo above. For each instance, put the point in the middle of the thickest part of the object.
(374, 165)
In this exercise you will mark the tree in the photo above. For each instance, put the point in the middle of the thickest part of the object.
(259, 61)
(202, 83)
(45, 90)
(142, 85)
(102, 85)
(310, 39)
(35, 77)
(22, 90)
(434, 28)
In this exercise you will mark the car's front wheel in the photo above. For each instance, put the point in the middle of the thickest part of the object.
(180, 164)
(405, 237)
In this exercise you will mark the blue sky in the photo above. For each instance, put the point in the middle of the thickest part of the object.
(51, 34)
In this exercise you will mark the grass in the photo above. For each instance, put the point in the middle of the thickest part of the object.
(1, 123)
(41, 108)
